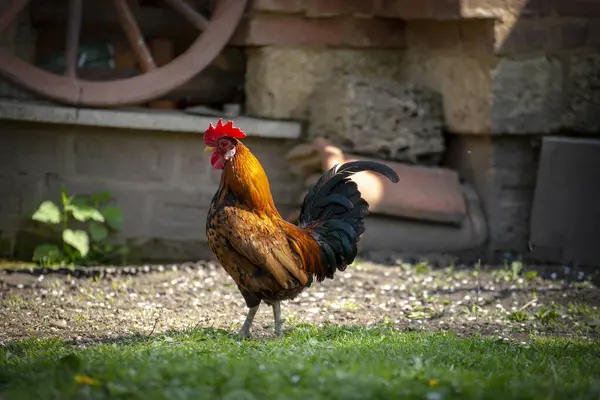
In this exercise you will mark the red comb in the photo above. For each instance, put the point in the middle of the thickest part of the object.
(214, 132)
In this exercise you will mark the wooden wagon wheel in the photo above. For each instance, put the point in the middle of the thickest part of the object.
(151, 84)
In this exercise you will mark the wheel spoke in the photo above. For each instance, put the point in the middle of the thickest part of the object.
(134, 36)
(189, 13)
(90, 90)
(11, 12)
(73, 31)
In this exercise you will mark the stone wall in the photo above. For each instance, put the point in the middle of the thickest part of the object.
(509, 71)
(503, 66)
(294, 47)
(515, 71)
(163, 181)
(507, 81)
(505, 85)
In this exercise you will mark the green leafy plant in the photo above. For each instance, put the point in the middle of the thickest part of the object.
(518, 316)
(547, 315)
(531, 275)
(423, 267)
(515, 268)
(85, 224)
(512, 272)
(580, 309)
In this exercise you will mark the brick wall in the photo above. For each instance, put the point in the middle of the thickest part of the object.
(163, 182)
(560, 39)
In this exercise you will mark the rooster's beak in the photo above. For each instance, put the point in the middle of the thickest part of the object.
(209, 149)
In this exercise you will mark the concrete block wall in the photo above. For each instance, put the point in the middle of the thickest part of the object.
(163, 181)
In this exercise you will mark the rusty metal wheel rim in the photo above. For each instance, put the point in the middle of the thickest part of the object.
(141, 88)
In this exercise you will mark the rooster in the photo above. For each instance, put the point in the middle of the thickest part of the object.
(269, 258)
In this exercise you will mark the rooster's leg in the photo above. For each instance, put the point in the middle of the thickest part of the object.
(245, 331)
(277, 317)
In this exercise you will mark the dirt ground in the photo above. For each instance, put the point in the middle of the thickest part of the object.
(503, 303)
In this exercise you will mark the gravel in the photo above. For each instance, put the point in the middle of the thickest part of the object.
(103, 303)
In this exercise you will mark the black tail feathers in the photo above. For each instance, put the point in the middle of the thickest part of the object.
(334, 211)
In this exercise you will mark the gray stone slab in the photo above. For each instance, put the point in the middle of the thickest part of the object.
(565, 221)
(140, 119)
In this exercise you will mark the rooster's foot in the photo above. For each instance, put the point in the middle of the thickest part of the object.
(277, 317)
(245, 334)
(245, 331)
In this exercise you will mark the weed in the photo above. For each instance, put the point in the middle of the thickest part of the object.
(518, 316)
(91, 245)
(14, 301)
(547, 315)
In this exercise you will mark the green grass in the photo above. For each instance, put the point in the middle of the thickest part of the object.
(316, 363)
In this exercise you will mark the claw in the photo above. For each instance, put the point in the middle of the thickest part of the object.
(245, 334)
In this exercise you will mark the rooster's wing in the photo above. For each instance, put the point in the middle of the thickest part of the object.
(260, 240)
